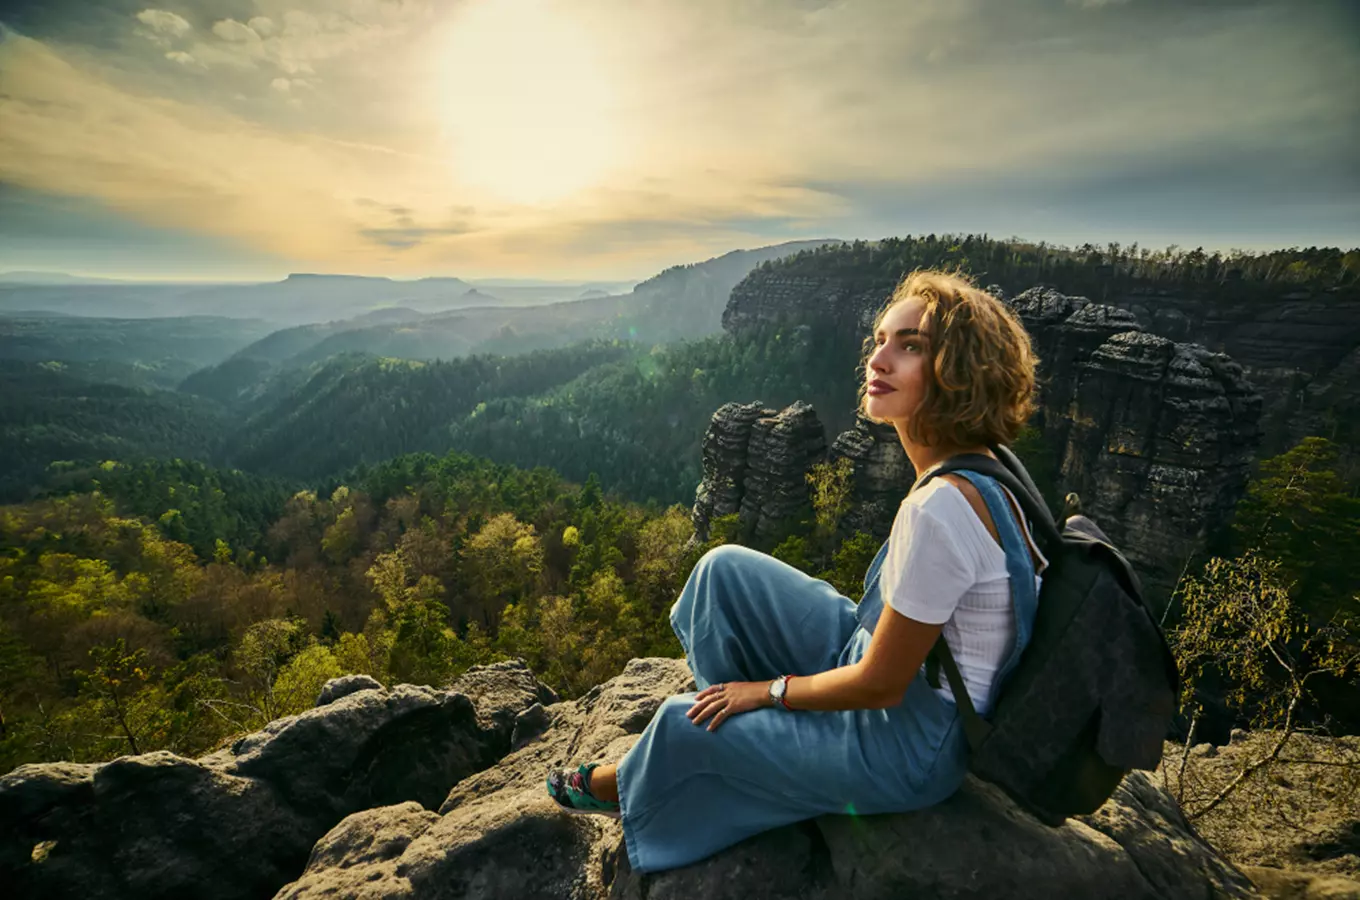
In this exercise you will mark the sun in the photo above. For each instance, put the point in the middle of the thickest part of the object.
(528, 106)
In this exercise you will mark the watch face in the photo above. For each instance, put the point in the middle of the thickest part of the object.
(777, 688)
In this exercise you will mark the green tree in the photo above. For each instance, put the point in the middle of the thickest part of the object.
(1240, 622)
(502, 563)
(849, 563)
(1299, 512)
(301, 679)
(831, 484)
(112, 686)
(264, 650)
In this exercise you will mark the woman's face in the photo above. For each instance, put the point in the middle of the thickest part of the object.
(896, 372)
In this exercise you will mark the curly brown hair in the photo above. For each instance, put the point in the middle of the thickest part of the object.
(980, 386)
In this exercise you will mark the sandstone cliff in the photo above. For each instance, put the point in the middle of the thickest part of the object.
(1296, 345)
(1158, 437)
(413, 792)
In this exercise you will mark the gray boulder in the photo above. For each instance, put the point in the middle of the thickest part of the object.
(241, 822)
(344, 686)
(498, 835)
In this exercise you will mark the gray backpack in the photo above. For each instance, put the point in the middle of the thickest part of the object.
(1094, 691)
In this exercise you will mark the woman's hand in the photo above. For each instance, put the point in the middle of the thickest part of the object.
(723, 701)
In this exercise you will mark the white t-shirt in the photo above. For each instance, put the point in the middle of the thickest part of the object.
(943, 566)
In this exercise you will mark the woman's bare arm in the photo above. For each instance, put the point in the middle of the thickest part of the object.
(879, 680)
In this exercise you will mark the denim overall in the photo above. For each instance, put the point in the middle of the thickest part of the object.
(686, 793)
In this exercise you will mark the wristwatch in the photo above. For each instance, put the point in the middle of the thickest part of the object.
(777, 689)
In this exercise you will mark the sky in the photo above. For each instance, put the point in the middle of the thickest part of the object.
(591, 139)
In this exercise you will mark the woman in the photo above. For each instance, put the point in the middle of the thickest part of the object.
(809, 703)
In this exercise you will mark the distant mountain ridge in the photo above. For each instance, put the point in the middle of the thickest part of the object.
(682, 302)
(53, 278)
(300, 299)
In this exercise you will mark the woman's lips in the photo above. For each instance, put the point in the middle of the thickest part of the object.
(878, 388)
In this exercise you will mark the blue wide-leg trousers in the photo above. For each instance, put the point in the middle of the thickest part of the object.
(687, 792)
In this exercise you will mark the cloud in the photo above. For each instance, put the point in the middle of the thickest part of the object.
(234, 31)
(405, 238)
(163, 22)
(68, 131)
(730, 123)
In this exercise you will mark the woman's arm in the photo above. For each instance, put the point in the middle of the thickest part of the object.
(880, 679)
(877, 681)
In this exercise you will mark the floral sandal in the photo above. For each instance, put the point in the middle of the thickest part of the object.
(571, 792)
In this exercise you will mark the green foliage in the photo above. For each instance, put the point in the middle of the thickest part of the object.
(192, 502)
(49, 416)
(261, 655)
(794, 551)
(849, 563)
(1240, 623)
(115, 689)
(423, 645)
(1088, 270)
(1299, 512)
(831, 485)
(504, 560)
(309, 430)
(300, 680)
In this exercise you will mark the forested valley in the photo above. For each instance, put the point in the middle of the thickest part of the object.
(179, 567)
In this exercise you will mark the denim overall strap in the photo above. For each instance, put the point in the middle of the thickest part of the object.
(1019, 564)
(871, 601)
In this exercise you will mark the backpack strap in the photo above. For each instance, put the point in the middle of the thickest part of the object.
(1024, 602)
(1008, 470)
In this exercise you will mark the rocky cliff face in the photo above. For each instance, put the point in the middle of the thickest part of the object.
(1296, 346)
(755, 462)
(1160, 438)
(1157, 437)
(881, 474)
(241, 822)
(345, 801)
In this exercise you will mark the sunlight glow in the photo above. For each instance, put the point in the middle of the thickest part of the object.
(526, 101)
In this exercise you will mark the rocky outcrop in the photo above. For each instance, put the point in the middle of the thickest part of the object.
(1282, 334)
(782, 449)
(162, 826)
(725, 451)
(1159, 441)
(755, 465)
(241, 822)
(881, 475)
(1157, 437)
(498, 835)
(1065, 331)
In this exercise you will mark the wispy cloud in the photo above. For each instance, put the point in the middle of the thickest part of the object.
(344, 132)
(162, 22)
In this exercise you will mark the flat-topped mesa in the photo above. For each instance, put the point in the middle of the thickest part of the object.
(1160, 438)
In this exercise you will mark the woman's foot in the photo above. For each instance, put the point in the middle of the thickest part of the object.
(570, 790)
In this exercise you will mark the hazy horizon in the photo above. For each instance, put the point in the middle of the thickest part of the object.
(604, 140)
